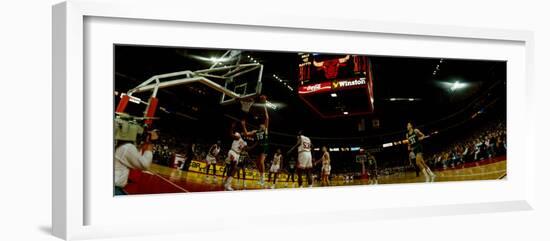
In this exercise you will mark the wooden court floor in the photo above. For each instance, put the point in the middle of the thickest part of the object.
(163, 179)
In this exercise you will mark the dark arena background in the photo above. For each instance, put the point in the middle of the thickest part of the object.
(358, 107)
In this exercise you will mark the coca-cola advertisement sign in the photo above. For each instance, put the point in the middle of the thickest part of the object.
(315, 88)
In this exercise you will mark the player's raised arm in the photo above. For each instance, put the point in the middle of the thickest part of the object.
(298, 142)
(247, 133)
(421, 135)
(266, 120)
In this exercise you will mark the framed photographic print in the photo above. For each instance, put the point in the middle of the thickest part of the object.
(159, 113)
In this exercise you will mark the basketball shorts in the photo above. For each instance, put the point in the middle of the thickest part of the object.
(274, 168)
(304, 160)
(210, 160)
(261, 149)
(233, 156)
(326, 169)
(417, 149)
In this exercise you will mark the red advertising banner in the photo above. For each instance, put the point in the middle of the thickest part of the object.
(315, 88)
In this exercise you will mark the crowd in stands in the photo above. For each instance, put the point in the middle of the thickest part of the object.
(486, 143)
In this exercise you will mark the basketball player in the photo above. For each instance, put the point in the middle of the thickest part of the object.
(233, 157)
(276, 166)
(304, 158)
(261, 136)
(291, 170)
(412, 161)
(241, 167)
(211, 159)
(246, 104)
(325, 170)
(226, 168)
(372, 169)
(414, 136)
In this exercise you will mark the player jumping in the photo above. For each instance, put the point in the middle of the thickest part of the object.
(414, 136)
(261, 136)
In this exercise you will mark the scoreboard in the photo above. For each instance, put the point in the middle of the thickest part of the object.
(316, 68)
(347, 78)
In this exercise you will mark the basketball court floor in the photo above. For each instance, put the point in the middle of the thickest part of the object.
(162, 179)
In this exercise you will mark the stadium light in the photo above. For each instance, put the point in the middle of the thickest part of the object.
(218, 60)
(271, 105)
(453, 85)
(334, 95)
(345, 112)
(387, 145)
(457, 85)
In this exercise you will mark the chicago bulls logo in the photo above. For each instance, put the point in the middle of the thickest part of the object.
(331, 66)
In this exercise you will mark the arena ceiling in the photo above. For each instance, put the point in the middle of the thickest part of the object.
(428, 91)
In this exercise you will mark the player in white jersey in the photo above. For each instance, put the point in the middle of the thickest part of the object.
(233, 157)
(211, 159)
(325, 169)
(304, 158)
(275, 167)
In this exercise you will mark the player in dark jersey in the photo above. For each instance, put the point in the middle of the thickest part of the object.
(372, 169)
(291, 171)
(414, 138)
(412, 162)
(261, 137)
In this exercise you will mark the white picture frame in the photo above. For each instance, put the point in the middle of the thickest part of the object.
(78, 194)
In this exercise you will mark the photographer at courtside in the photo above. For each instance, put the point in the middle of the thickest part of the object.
(128, 156)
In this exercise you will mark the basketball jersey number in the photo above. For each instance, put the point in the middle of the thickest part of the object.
(260, 136)
(412, 140)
